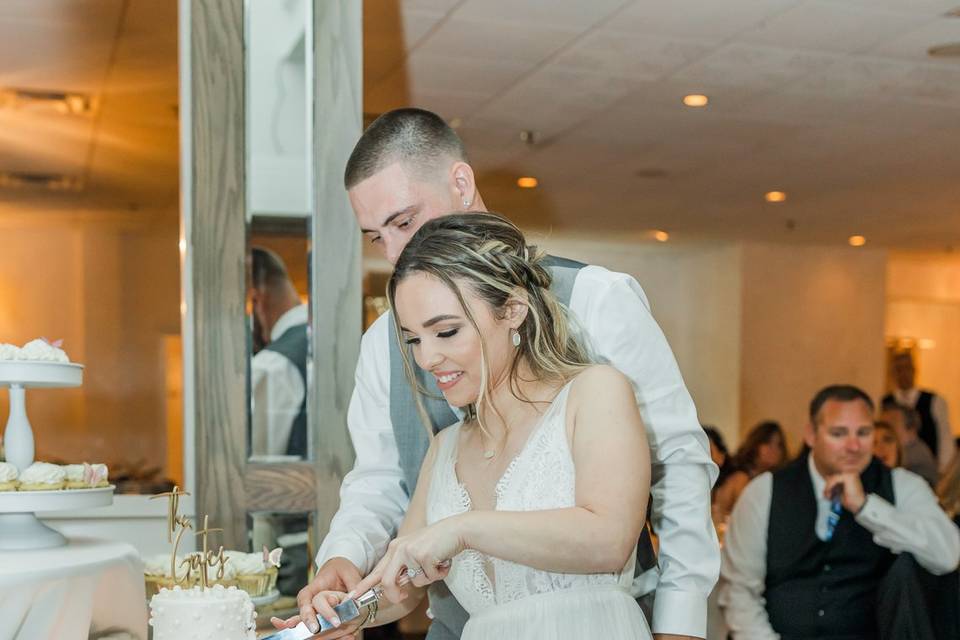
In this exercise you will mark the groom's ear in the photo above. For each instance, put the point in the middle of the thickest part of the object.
(515, 310)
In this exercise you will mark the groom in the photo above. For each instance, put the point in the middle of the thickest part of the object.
(410, 167)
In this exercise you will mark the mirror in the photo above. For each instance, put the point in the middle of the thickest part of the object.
(292, 532)
(278, 227)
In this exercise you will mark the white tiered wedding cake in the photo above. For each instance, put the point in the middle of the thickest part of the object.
(215, 613)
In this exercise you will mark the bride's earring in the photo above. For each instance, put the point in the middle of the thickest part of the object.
(515, 338)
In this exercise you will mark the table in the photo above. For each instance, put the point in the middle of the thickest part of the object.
(85, 589)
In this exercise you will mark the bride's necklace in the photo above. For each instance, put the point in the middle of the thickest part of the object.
(488, 454)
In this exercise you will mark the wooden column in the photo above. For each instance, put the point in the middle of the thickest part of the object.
(335, 261)
(218, 247)
(227, 486)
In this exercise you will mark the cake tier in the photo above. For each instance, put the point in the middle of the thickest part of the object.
(216, 613)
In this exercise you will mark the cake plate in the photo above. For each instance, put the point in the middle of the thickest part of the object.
(21, 529)
(19, 526)
(268, 598)
(19, 375)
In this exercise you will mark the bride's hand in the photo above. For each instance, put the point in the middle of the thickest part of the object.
(323, 603)
(423, 550)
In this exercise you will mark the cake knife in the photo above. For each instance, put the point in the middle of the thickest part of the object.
(347, 610)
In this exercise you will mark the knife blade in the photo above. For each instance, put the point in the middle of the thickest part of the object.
(346, 610)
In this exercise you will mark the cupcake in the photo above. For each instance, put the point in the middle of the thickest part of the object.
(40, 350)
(255, 573)
(86, 476)
(9, 351)
(42, 476)
(8, 477)
(156, 573)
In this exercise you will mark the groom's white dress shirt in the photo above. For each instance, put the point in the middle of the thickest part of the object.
(613, 311)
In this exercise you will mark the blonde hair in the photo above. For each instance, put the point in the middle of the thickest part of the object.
(488, 254)
(948, 489)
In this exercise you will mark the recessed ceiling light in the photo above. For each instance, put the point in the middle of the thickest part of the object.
(775, 196)
(527, 182)
(857, 241)
(696, 100)
(661, 236)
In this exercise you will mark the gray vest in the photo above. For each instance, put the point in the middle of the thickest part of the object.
(449, 617)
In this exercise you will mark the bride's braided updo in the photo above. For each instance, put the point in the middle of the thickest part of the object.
(488, 254)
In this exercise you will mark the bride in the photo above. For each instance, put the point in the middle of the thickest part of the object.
(538, 495)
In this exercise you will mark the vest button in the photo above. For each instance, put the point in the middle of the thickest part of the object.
(820, 613)
(826, 568)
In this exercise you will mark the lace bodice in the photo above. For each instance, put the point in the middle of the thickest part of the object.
(540, 477)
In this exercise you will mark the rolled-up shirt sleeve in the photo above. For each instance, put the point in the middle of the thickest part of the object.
(372, 498)
(612, 310)
(916, 525)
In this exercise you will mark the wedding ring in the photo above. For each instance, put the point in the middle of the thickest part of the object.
(413, 572)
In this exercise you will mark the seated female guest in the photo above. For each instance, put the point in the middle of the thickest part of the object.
(538, 495)
(764, 449)
(886, 445)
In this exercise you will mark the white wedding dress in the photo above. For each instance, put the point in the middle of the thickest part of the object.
(510, 600)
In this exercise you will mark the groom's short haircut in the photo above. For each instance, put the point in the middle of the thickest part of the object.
(417, 138)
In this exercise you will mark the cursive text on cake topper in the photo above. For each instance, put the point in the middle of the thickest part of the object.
(173, 505)
(208, 558)
(198, 561)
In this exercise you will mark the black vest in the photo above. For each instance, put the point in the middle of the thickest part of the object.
(293, 345)
(928, 426)
(816, 589)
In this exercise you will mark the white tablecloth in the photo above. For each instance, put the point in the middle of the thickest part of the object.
(85, 589)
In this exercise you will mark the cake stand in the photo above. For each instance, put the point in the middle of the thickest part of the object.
(19, 526)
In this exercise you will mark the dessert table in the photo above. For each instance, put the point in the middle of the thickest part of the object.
(88, 588)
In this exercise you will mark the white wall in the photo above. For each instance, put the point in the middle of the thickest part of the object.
(812, 316)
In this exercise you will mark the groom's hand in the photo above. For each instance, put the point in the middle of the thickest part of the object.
(336, 574)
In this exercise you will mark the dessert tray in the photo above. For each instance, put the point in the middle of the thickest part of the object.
(19, 526)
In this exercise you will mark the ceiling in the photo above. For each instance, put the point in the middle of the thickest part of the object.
(833, 101)
(123, 53)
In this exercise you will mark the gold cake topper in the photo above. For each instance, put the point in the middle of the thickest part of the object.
(198, 561)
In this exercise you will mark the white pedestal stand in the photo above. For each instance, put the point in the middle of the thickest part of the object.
(19, 526)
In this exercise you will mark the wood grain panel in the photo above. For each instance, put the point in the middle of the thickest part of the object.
(336, 302)
(218, 246)
(281, 488)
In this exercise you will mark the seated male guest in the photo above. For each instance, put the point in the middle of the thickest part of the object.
(808, 546)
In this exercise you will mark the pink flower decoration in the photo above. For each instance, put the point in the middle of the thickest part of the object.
(272, 557)
(54, 343)
(92, 476)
